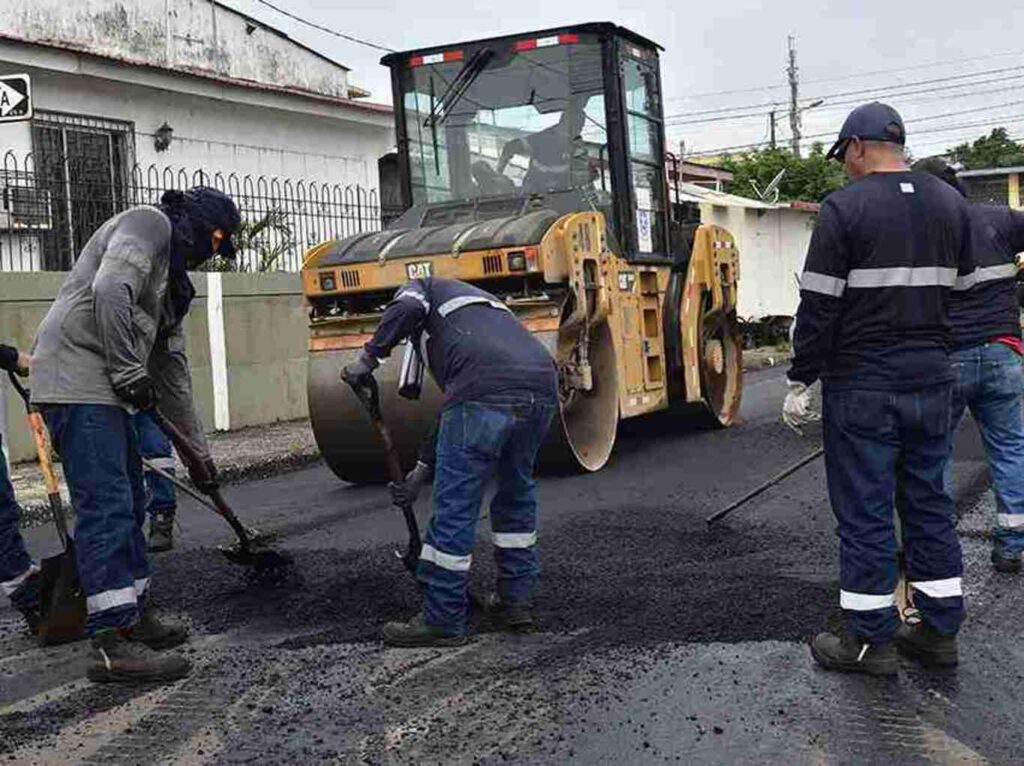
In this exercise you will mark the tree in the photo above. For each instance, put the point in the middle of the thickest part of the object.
(810, 179)
(996, 150)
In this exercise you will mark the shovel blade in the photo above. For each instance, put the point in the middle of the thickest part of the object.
(62, 600)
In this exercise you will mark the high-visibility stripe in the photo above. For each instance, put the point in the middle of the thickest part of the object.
(986, 274)
(515, 539)
(865, 602)
(1010, 520)
(415, 295)
(902, 276)
(546, 42)
(141, 586)
(164, 463)
(445, 560)
(436, 58)
(822, 283)
(948, 588)
(9, 586)
(454, 304)
(110, 599)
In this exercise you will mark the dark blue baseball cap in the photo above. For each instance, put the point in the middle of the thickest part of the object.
(869, 122)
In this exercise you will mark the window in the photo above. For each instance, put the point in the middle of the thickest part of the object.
(83, 163)
(643, 125)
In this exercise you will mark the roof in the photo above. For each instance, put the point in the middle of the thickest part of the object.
(990, 171)
(693, 193)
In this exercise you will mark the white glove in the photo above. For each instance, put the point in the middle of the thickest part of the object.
(796, 409)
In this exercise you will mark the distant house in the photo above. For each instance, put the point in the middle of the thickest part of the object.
(134, 96)
(994, 186)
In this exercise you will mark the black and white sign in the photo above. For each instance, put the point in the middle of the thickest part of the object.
(15, 98)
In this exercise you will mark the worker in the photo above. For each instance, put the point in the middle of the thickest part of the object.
(873, 325)
(985, 317)
(500, 394)
(111, 345)
(557, 155)
(19, 575)
(161, 499)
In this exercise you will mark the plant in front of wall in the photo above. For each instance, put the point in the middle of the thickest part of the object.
(259, 244)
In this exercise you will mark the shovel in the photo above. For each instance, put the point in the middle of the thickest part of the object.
(61, 597)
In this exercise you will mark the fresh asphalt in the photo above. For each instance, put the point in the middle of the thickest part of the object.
(660, 639)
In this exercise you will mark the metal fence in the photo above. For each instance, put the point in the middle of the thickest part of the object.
(48, 210)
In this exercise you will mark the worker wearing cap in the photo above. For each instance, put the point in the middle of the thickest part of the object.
(111, 345)
(873, 325)
(985, 316)
(19, 575)
(500, 394)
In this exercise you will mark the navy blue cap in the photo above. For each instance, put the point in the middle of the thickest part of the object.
(218, 211)
(869, 122)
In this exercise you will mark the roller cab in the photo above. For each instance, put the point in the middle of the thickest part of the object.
(533, 166)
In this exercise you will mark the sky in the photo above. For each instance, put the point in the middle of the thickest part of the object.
(953, 70)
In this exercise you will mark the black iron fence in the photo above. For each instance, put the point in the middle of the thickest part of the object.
(48, 210)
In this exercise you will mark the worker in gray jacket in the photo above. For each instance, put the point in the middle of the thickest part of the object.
(111, 345)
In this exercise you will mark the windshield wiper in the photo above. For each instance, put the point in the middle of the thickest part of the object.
(440, 110)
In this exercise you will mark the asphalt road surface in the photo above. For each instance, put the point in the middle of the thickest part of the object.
(660, 640)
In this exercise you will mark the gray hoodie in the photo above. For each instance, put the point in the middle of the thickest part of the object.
(102, 331)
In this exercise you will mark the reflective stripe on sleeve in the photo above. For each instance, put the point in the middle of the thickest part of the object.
(163, 463)
(902, 276)
(948, 588)
(1010, 520)
(415, 295)
(445, 560)
(986, 274)
(515, 539)
(110, 599)
(9, 586)
(865, 602)
(822, 283)
(141, 586)
(454, 304)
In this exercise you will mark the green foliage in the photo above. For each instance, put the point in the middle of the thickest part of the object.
(996, 150)
(268, 238)
(811, 178)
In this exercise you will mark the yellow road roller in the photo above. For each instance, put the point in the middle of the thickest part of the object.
(534, 166)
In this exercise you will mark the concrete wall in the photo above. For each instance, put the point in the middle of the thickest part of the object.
(264, 330)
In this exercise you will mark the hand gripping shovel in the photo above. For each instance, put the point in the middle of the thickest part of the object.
(62, 599)
(246, 551)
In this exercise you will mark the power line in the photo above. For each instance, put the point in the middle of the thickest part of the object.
(327, 30)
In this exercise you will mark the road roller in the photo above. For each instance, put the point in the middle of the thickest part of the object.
(534, 166)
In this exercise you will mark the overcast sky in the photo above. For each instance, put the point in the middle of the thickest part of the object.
(903, 52)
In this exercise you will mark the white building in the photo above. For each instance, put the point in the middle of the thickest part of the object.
(133, 96)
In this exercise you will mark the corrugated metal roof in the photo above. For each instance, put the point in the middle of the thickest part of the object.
(990, 171)
(693, 193)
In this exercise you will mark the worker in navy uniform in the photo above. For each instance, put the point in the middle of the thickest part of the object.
(873, 325)
(500, 394)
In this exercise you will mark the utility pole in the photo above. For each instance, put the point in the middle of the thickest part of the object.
(794, 93)
(771, 118)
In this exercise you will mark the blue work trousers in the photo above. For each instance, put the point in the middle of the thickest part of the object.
(492, 438)
(99, 450)
(156, 448)
(990, 382)
(866, 433)
(16, 567)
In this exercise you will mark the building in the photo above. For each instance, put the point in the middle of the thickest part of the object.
(993, 186)
(700, 174)
(135, 96)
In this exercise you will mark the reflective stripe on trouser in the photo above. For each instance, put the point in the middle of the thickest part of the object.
(864, 432)
(478, 441)
(156, 448)
(15, 564)
(99, 451)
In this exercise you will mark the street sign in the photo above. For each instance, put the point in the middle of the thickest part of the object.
(15, 97)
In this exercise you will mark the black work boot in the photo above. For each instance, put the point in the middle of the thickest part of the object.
(1005, 564)
(161, 532)
(156, 633)
(513, 617)
(118, 660)
(417, 632)
(849, 654)
(921, 642)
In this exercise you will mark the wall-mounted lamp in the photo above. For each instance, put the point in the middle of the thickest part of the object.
(162, 137)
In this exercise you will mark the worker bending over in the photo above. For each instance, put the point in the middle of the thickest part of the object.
(19, 575)
(873, 325)
(111, 345)
(985, 316)
(500, 394)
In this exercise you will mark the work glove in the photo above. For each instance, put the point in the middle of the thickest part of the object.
(796, 409)
(204, 475)
(358, 373)
(140, 393)
(405, 492)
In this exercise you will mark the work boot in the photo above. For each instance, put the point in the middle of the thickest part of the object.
(850, 654)
(513, 617)
(1005, 564)
(417, 632)
(118, 660)
(923, 643)
(161, 532)
(155, 633)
